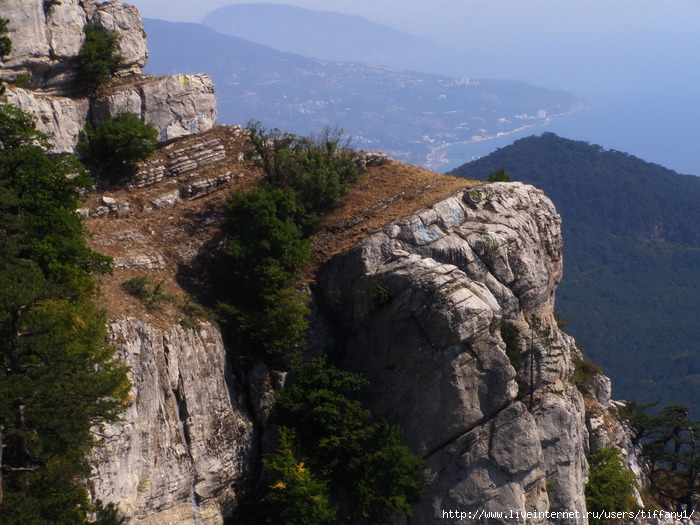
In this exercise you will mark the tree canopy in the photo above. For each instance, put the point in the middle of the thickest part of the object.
(669, 445)
(59, 376)
(329, 444)
(114, 145)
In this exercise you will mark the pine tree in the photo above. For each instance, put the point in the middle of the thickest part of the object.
(58, 376)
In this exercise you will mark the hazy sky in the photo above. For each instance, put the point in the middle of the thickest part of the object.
(379, 10)
(509, 38)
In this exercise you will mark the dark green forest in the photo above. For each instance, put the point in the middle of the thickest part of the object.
(630, 289)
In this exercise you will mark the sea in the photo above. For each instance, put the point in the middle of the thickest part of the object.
(658, 122)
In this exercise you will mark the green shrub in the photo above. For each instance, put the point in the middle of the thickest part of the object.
(610, 485)
(669, 446)
(295, 495)
(116, 144)
(318, 168)
(267, 237)
(511, 337)
(265, 251)
(489, 249)
(381, 295)
(499, 175)
(266, 246)
(5, 45)
(150, 293)
(5, 42)
(584, 370)
(23, 80)
(98, 58)
(197, 310)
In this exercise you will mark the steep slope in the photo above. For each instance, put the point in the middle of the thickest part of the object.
(631, 284)
(436, 360)
(433, 351)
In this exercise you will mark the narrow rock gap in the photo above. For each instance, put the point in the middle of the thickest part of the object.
(476, 424)
(182, 412)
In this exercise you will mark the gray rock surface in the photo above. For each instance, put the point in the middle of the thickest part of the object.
(61, 118)
(125, 21)
(420, 304)
(46, 42)
(178, 105)
(185, 439)
(178, 160)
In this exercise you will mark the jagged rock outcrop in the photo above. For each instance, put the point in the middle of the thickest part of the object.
(420, 304)
(367, 159)
(124, 20)
(185, 440)
(46, 39)
(178, 105)
(62, 118)
(42, 69)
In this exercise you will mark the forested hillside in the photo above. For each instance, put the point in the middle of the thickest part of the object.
(632, 260)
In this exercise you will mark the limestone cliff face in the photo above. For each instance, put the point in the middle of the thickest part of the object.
(185, 440)
(41, 72)
(417, 307)
(420, 304)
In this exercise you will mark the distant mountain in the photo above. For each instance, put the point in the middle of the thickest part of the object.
(410, 116)
(320, 34)
(631, 286)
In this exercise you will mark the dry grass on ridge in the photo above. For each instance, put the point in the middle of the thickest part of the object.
(383, 194)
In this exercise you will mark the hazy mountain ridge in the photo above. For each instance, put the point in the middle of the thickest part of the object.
(410, 116)
(327, 35)
(630, 284)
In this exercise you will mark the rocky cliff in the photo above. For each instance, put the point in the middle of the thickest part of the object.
(494, 438)
(186, 434)
(413, 281)
(41, 72)
(436, 360)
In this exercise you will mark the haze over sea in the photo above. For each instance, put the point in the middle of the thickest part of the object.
(637, 62)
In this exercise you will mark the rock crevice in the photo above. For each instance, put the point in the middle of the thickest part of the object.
(184, 433)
